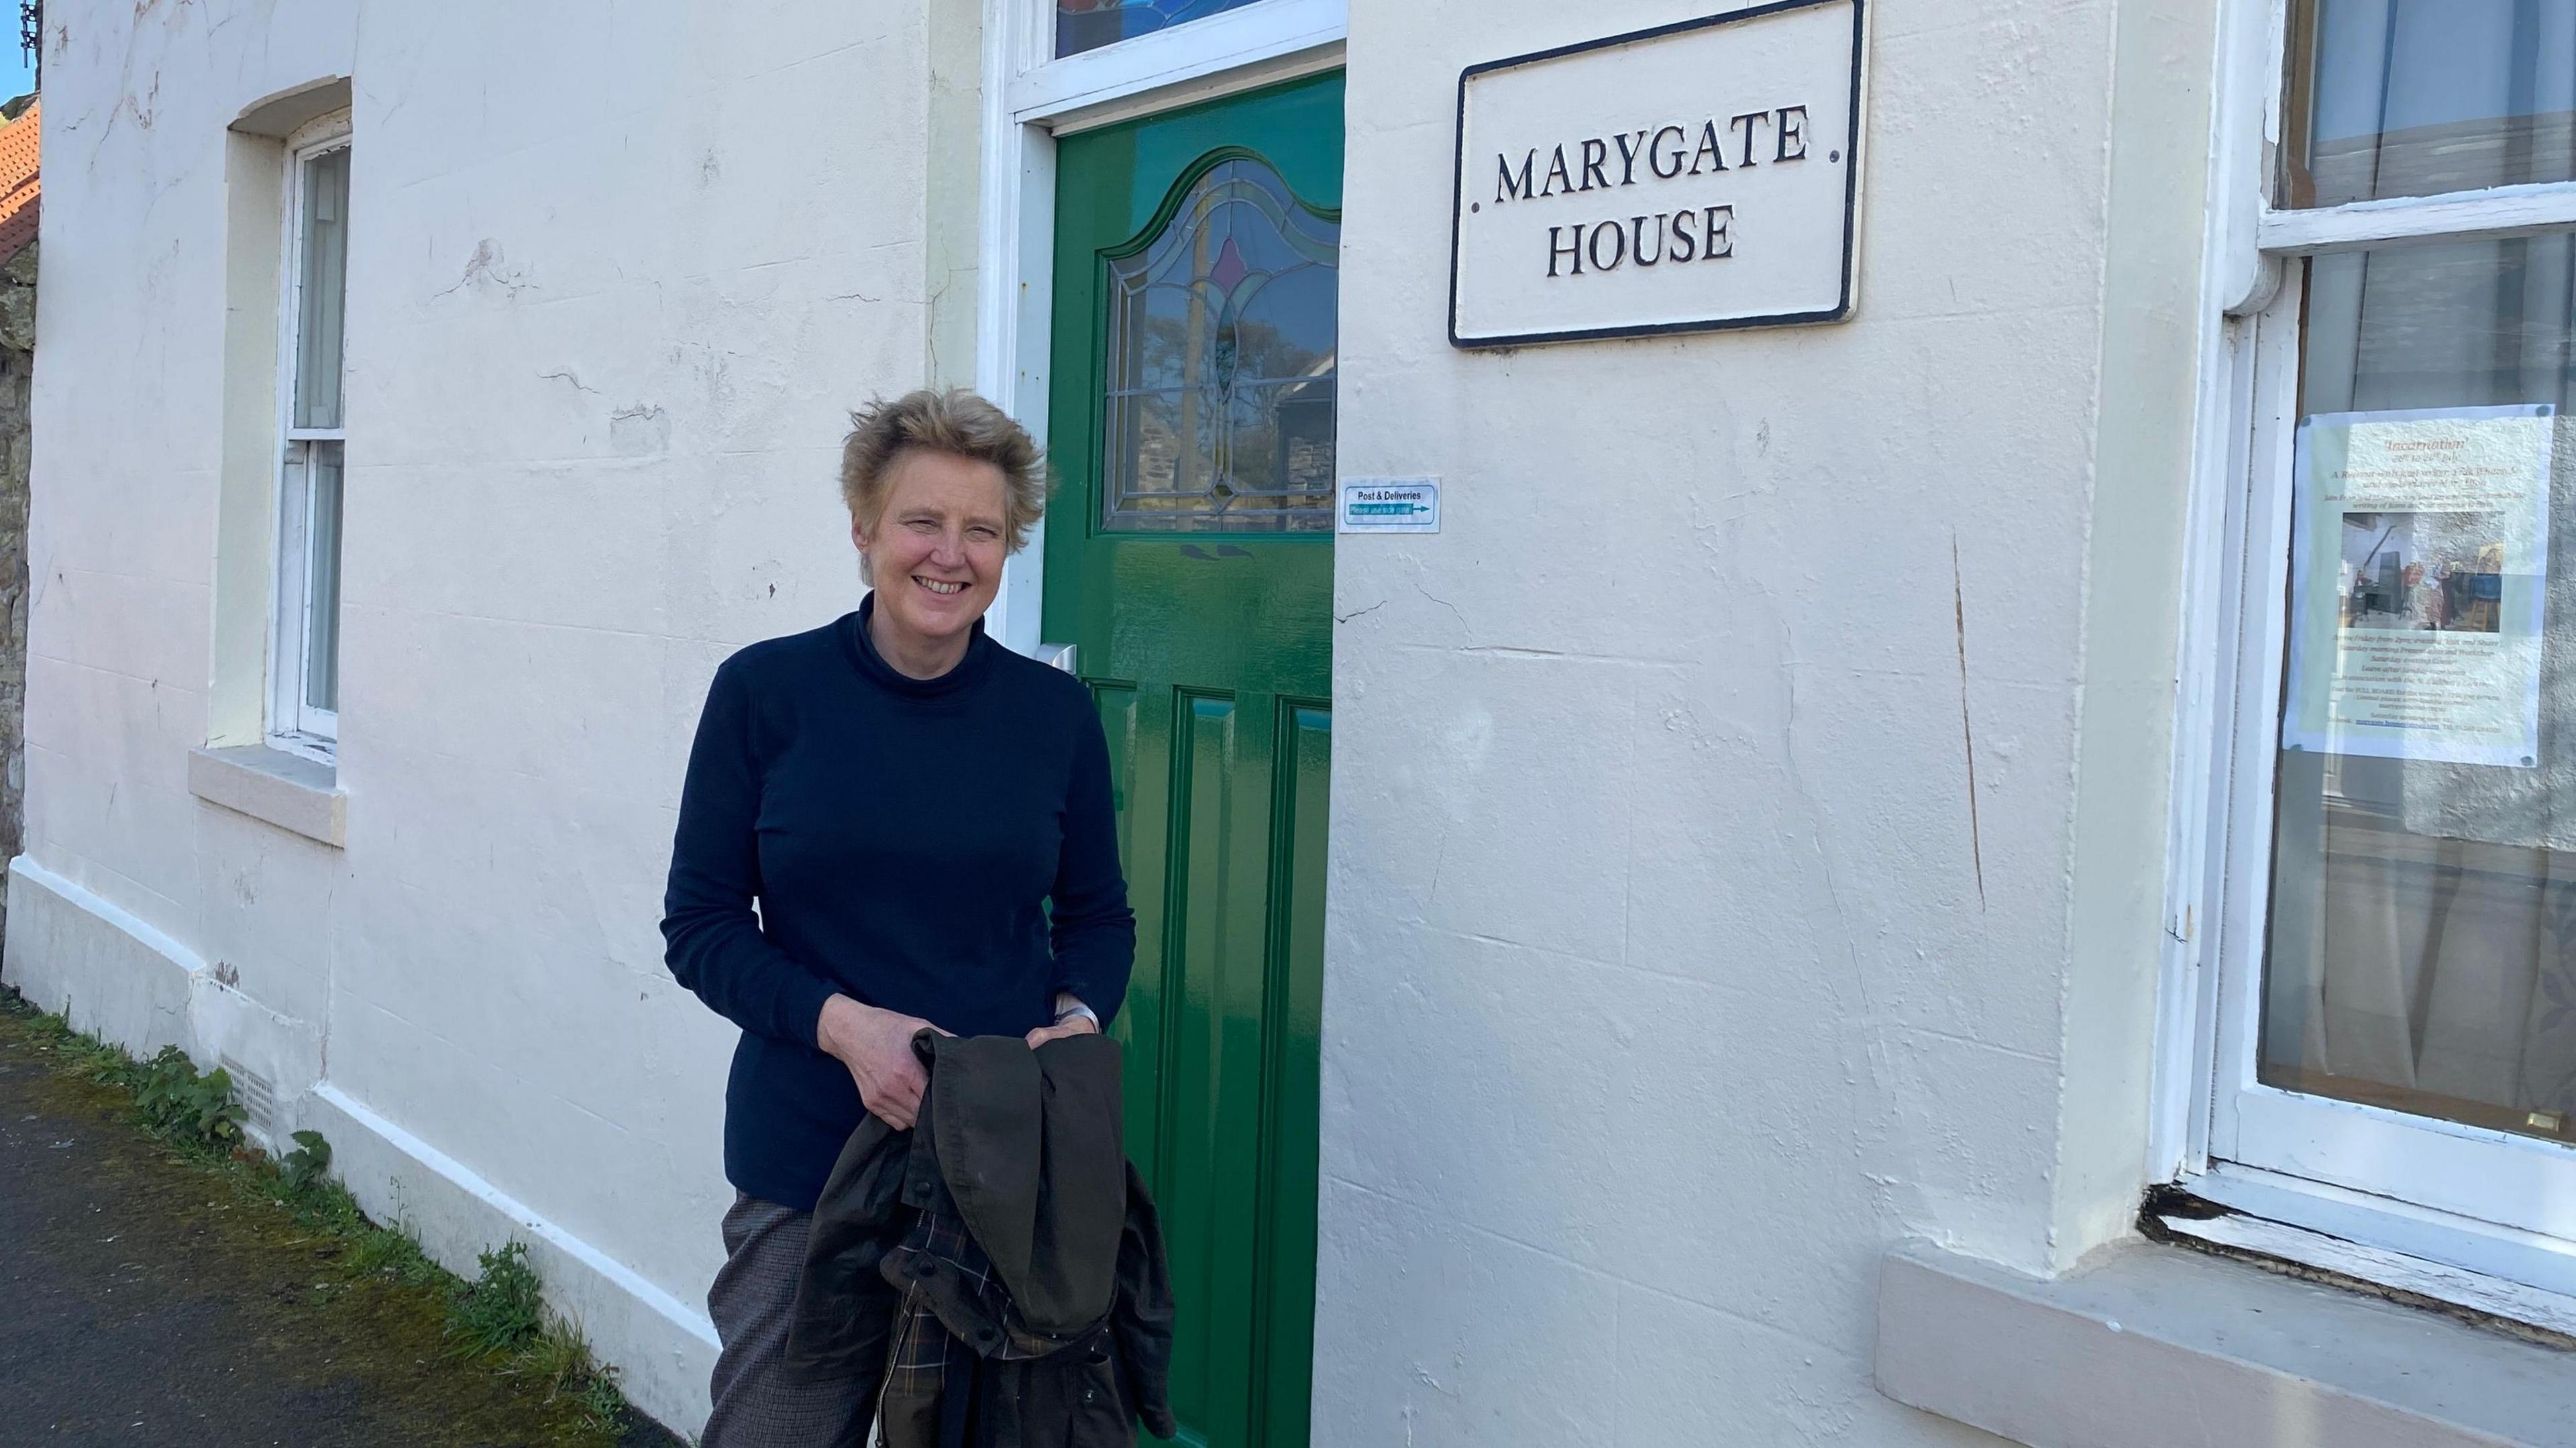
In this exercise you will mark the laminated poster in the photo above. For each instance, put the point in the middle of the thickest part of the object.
(2419, 551)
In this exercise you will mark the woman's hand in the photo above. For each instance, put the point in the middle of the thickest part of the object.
(877, 1047)
(1072, 1018)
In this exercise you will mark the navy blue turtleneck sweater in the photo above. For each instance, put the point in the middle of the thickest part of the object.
(945, 847)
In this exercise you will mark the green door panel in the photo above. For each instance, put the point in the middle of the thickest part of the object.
(1202, 619)
(1293, 1021)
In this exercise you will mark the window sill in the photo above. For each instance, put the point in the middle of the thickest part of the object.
(2156, 1345)
(286, 790)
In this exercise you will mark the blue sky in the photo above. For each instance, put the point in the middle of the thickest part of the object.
(17, 74)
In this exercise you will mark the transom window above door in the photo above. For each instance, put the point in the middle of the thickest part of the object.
(1082, 25)
(1221, 348)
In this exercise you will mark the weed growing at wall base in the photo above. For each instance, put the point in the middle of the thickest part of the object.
(178, 1103)
(502, 1309)
(308, 1164)
(499, 1317)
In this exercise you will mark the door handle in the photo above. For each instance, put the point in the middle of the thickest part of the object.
(1058, 656)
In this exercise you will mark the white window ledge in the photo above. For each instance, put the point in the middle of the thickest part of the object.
(287, 790)
(2160, 1345)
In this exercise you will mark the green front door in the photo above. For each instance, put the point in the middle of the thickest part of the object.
(1189, 560)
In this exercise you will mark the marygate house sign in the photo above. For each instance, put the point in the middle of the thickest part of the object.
(1693, 177)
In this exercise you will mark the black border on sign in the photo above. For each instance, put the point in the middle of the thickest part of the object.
(1851, 185)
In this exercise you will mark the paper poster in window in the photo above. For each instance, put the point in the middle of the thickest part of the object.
(2419, 550)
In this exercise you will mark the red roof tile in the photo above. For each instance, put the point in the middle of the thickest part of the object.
(18, 151)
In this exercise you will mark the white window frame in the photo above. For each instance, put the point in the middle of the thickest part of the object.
(1030, 98)
(2454, 1211)
(293, 725)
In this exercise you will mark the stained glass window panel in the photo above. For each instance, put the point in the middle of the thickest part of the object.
(1221, 363)
(1082, 25)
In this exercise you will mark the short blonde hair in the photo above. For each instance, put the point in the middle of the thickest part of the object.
(956, 422)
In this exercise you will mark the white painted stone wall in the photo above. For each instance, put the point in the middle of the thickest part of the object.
(1671, 976)
(1673, 971)
(618, 270)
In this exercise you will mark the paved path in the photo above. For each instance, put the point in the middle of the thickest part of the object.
(143, 1301)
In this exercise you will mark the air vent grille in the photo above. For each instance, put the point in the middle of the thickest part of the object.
(258, 1097)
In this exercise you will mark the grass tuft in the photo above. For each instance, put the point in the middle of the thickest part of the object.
(559, 1357)
(501, 1315)
(502, 1310)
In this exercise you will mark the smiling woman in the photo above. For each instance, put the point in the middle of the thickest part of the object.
(891, 824)
(942, 487)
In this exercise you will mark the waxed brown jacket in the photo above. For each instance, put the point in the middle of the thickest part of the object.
(998, 1270)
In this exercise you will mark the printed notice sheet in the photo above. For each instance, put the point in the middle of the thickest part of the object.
(2420, 548)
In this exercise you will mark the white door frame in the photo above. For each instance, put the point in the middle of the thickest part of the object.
(1030, 98)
